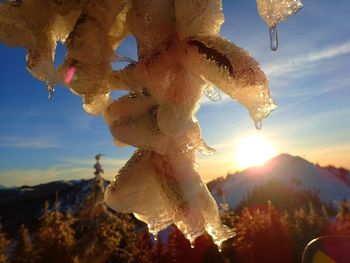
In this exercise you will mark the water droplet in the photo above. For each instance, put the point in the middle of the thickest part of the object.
(258, 125)
(273, 38)
(155, 237)
(192, 245)
(220, 249)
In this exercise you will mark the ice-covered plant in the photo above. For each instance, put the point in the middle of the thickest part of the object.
(181, 56)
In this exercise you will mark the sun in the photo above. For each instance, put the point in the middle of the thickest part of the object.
(253, 150)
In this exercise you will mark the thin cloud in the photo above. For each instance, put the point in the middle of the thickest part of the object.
(68, 169)
(302, 62)
(29, 142)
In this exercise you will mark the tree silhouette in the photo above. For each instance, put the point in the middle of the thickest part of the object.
(25, 251)
(4, 243)
(55, 236)
(263, 236)
(102, 236)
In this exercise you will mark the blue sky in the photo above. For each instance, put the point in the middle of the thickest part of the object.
(42, 140)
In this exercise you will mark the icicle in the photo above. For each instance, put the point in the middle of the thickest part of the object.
(274, 12)
(258, 125)
(273, 38)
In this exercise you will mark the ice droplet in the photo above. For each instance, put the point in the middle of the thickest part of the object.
(50, 90)
(258, 125)
(273, 38)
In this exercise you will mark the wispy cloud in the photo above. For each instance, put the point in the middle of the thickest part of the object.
(29, 142)
(302, 62)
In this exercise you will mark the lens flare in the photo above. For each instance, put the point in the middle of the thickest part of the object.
(70, 75)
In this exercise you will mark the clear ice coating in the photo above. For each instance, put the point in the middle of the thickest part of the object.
(275, 11)
(181, 57)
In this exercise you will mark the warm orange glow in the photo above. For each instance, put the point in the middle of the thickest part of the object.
(254, 150)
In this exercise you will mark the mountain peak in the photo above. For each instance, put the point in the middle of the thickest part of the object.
(293, 171)
(285, 157)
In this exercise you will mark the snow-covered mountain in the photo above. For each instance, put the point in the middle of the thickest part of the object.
(24, 204)
(332, 184)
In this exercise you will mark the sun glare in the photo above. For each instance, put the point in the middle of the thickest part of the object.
(253, 150)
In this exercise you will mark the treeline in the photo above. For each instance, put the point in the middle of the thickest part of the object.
(284, 197)
(265, 233)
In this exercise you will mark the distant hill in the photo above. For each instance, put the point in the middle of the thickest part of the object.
(24, 204)
(330, 183)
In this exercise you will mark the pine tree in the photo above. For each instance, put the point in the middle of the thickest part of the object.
(4, 243)
(263, 236)
(341, 226)
(55, 236)
(104, 237)
(24, 252)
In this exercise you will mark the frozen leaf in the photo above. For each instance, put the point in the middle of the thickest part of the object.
(174, 194)
(235, 72)
(199, 17)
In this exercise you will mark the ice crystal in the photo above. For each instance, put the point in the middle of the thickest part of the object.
(181, 56)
